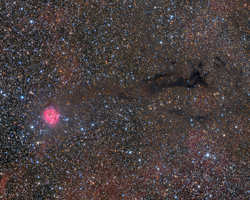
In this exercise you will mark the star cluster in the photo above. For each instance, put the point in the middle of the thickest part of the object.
(125, 99)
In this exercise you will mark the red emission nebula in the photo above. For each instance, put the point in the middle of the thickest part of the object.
(51, 116)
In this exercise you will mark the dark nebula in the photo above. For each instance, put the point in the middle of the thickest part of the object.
(125, 99)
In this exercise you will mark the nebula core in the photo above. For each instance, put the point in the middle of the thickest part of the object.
(51, 116)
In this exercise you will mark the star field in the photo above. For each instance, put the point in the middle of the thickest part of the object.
(125, 99)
